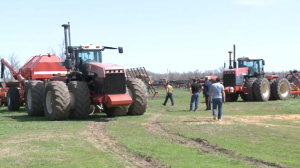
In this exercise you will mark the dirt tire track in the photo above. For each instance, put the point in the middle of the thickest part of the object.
(156, 128)
(96, 134)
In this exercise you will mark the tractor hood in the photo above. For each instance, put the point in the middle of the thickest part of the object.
(101, 69)
(237, 71)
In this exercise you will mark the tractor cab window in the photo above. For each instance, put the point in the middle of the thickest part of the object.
(254, 66)
(89, 56)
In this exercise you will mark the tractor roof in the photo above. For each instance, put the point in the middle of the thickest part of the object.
(249, 58)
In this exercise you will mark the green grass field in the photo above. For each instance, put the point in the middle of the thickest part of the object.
(251, 134)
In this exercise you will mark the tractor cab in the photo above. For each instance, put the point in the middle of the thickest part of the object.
(255, 65)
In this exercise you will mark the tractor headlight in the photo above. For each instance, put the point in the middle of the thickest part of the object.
(231, 89)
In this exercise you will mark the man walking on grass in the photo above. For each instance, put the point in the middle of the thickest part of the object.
(217, 93)
(194, 90)
(206, 90)
(169, 94)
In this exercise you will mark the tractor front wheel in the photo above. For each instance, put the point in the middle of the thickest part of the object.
(138, 92)
(13, 99)
(249, 85)
(56, 101)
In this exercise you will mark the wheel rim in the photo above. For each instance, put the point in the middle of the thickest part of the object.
(49, 102)
(265, 89)
(28, 97)
(284, 89)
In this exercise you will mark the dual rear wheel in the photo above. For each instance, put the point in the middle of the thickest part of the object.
(260, 89)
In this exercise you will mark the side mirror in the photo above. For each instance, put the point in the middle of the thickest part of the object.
(120, 50)
(224, 65)
(263, 62)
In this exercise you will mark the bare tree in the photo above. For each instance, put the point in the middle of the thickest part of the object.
(51, 51)
(14, 62)
(61, 50)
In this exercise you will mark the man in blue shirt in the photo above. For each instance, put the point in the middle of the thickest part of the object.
(217, 93)
(206, 90)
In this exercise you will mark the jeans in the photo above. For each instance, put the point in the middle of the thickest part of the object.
(217, 102)
(194, 98)
(169, 95)
(207, 102)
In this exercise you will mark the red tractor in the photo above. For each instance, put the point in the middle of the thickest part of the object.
(77, 85)
(90, 82)
(247, 79)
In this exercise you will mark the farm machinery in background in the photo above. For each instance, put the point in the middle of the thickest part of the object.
(141, 73)
(4, 89)
(247, 79)
(294, 78)
(70, 89)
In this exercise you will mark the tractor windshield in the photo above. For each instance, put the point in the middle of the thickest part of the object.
(89, 56)
(254, 66)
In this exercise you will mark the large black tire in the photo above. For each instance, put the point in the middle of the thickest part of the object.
(138, 92)
(249, 85)
(56, 101)
(281, 89)
(13, 99)
(232, 97)
(261, 89)
(271, 83)
(34, 93)
(80, 94)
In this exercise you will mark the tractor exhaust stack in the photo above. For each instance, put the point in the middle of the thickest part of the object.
(234, 61)
(230, 67)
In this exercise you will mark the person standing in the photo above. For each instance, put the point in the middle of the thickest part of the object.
(169, 94)
(194, 90)
(217, 93)
(206, 90)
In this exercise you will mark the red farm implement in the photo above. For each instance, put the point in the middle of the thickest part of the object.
(36, 71)
(294, 78)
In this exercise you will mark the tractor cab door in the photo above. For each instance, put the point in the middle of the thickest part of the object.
(85, 56)
(255, 67)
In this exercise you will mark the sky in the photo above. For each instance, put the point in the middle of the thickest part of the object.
(160, 35)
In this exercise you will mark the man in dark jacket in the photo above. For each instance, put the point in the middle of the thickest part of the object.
(206, 89)
(194, 90)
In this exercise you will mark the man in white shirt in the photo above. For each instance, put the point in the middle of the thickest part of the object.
(217, 93)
